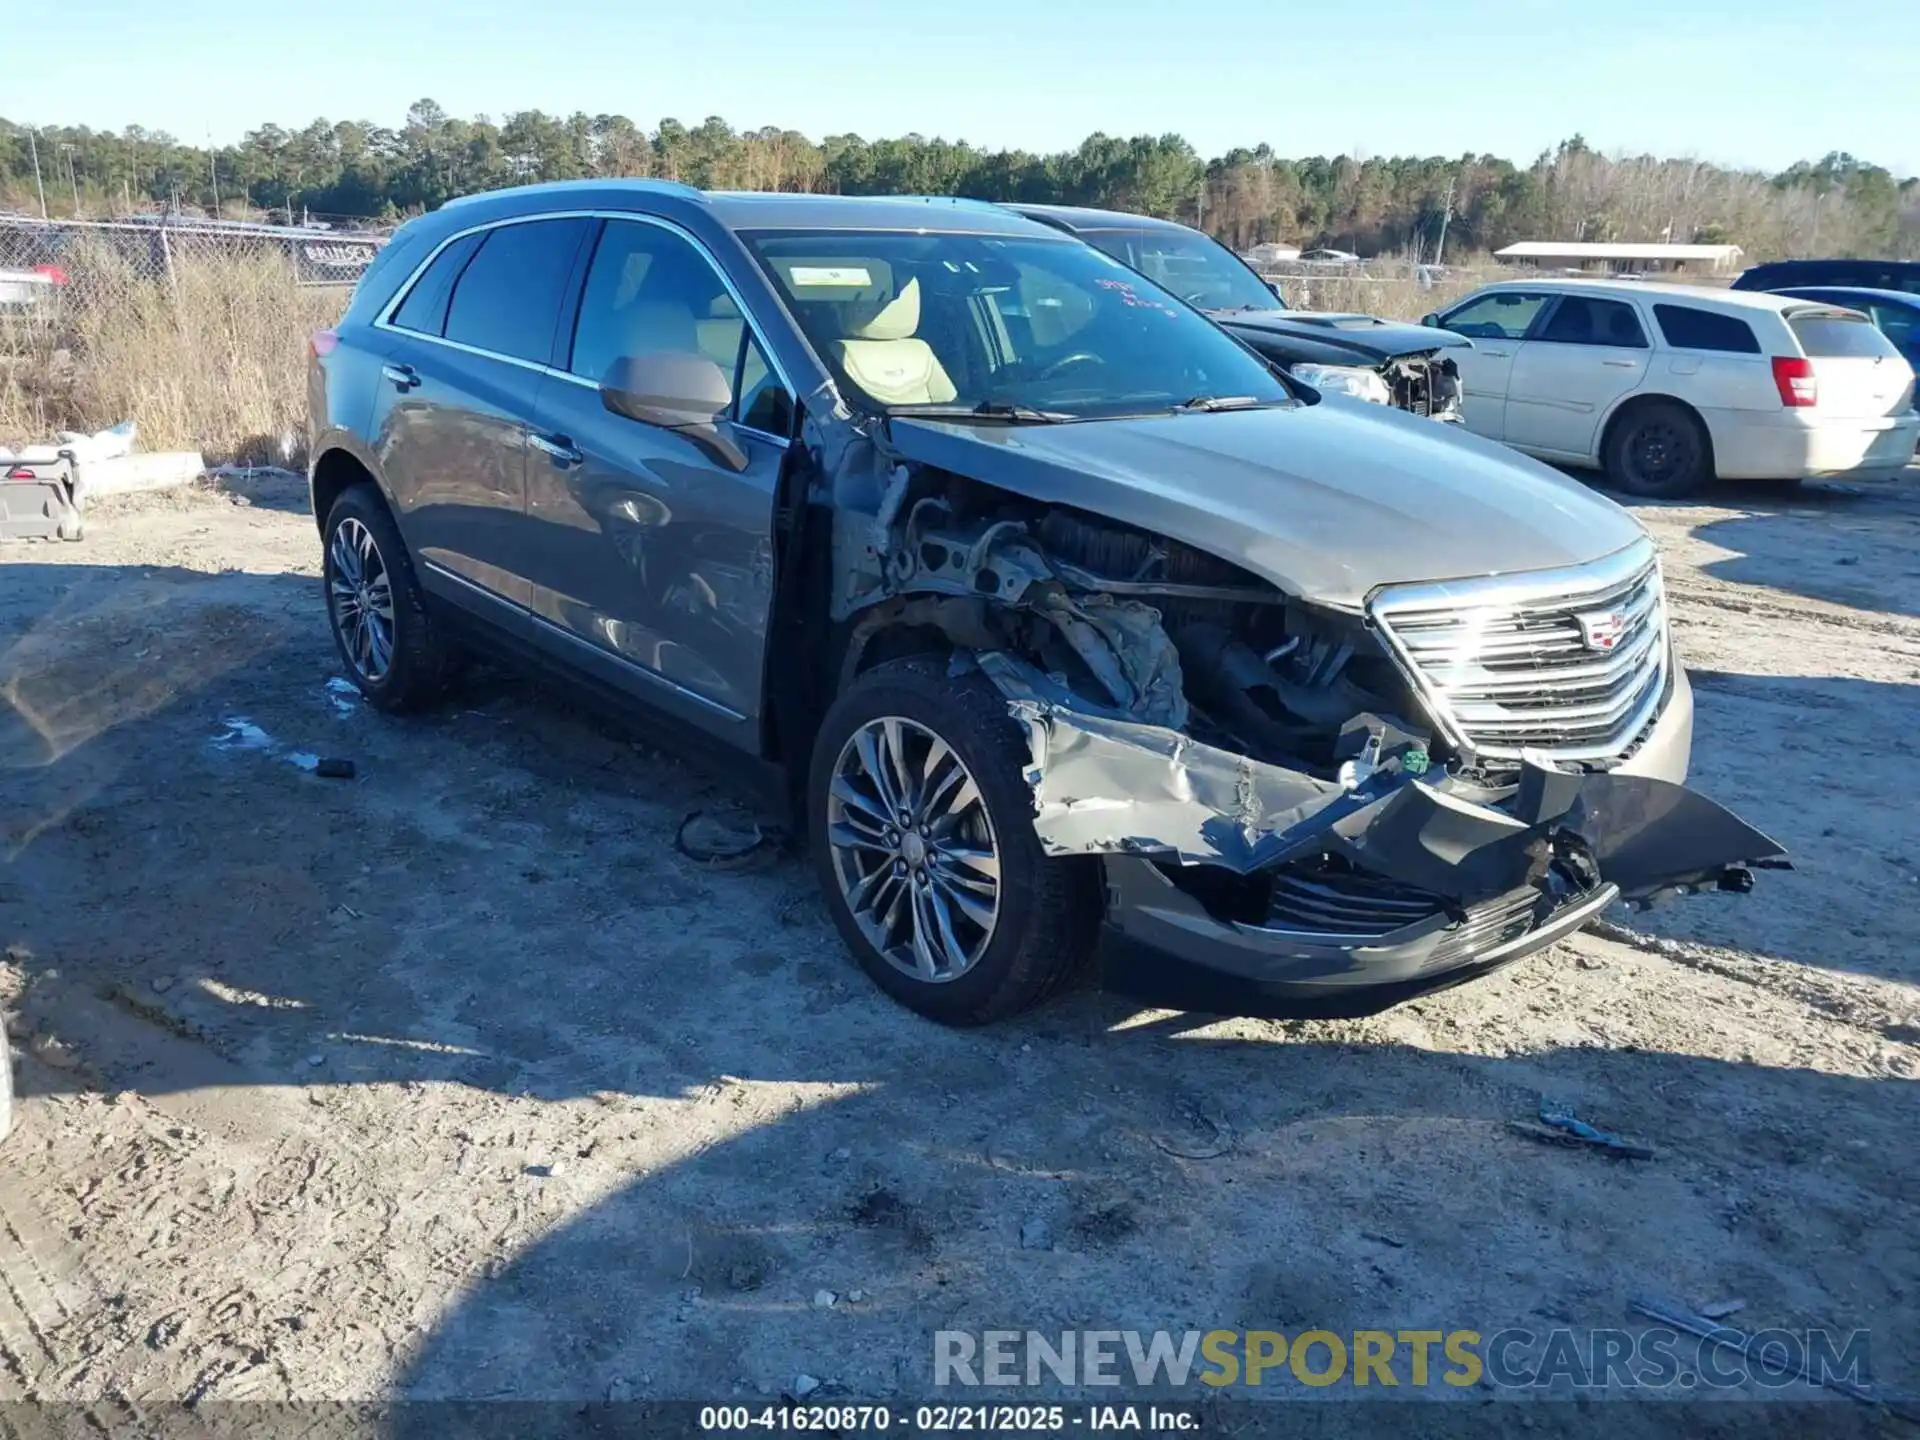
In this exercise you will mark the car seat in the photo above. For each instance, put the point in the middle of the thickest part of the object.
(881, 353)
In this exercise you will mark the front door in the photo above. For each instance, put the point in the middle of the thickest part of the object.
(471, 341)
(1496, 323)
(644, 548)
(1582, 358)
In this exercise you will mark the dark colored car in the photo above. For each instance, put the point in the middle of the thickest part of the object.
(1379, 360)
(1058, 617)
(1895, 313)
(1902, 275)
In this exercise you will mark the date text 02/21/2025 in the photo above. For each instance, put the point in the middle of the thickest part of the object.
(855, 1418)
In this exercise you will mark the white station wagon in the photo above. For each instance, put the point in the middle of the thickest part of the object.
(1666, 386)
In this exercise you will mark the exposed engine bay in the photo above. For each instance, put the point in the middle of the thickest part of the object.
(1425, 384)
(1260, 759)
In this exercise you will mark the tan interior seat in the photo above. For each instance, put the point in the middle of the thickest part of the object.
(883, 356)
(720, 332)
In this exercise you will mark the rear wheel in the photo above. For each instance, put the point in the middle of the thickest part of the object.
(921, 823)
(1659, 450)
(390, 641)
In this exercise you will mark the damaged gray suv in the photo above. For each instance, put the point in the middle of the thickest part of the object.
(1065, 623)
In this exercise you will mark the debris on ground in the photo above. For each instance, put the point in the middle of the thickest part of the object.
(824, 1299)
(720, 842)
(1765, 1355)
(343, 695)
(1720, 1309)
(803, 1386)
(1560, 1126)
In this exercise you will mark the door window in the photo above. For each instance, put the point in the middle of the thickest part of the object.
(1503, 315)
(1585, 320)
(507, 300)
(763, 404)
(650, 291)
(1900, 326)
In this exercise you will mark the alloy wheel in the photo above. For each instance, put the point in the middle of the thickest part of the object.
(360, 599)
(913, 849)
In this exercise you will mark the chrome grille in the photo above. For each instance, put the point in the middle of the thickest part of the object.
(1513, 664)
(1353, 907)
(1346, 903)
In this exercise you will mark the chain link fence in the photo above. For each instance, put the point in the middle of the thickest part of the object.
(194, 331)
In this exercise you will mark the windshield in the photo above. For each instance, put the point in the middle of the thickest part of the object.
(1202, 272)
(1052, 329)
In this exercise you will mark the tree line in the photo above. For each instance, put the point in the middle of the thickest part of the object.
(1422, 207)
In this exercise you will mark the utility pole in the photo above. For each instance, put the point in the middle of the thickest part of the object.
(1446, 214)
(213, 172)
(72, 179)
(1200, 206)
(33, 144)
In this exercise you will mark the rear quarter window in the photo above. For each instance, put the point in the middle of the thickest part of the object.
(1827, 336)
(425, 307)
(1686, 328)
(507, 299)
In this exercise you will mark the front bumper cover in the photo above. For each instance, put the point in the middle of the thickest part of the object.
(1508, 872)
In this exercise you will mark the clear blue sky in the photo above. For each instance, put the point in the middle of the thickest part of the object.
(1743, 82)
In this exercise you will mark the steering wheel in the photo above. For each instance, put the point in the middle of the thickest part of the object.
(1079, 357)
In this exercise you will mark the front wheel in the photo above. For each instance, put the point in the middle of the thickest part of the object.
(921, 824)
(1660, 451)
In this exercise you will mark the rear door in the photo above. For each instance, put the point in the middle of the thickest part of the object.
(1496, 322)
(1584, 356)
(1858, 372)
(473, 337)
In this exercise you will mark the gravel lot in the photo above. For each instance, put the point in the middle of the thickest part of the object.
(456, 1079)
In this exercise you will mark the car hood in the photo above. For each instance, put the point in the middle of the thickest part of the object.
(1326, 501)
(1376, 340)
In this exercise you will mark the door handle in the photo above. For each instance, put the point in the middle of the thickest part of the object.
(557, 448)
(1497, 354)
(404, 377)
(1621, 364)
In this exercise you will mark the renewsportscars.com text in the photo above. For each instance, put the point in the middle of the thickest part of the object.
(1511, 1358)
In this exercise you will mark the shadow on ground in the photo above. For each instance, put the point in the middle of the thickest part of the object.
(494, 902)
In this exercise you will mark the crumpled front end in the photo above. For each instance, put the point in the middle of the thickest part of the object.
(1246, 888)
(1300, 810)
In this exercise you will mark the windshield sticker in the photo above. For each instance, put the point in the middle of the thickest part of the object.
(854, 276)
(1124, 292)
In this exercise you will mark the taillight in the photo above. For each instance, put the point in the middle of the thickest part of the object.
(1794, 378)
(21, 472)
(323, 343)
(53, 273)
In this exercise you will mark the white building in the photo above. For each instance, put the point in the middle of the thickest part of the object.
(1271, 252)
(1710, 259)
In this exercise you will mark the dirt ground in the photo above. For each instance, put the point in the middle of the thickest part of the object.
(457, 1079)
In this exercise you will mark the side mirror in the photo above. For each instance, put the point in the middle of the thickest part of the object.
(1430, 320)
(684, 393)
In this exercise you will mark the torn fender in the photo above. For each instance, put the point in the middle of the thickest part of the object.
(1103, 784)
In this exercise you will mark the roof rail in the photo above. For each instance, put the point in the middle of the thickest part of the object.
(671, 187)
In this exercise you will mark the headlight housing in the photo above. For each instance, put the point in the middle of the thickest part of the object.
(1354, 380)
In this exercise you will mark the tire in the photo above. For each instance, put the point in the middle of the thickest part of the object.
(1046, 910)
(1658, 450)
(417, 662)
